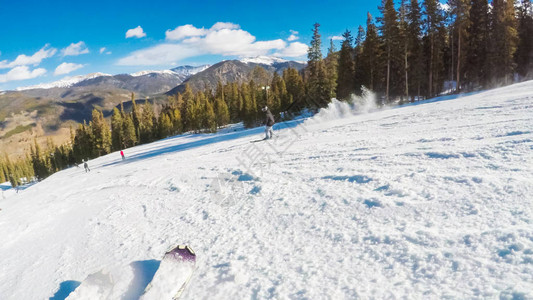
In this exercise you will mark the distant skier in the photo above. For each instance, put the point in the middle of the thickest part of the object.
(122, 154)
(86, 166)
(269, 122)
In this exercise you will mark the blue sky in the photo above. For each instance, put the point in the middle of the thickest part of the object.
(43, 41)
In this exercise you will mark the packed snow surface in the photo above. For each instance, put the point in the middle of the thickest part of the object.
(427, 200)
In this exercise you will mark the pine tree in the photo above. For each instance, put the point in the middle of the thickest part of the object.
(279, 93)
(130, 135)
(165, 126)
(38, 161)
(295, 86)
(370, 54)
(177, 123)
(403, 27)
(100, 133)
(504, 40)
(416, 58)
(434, 36)
(191, 116)
(476, 67)
(317, 83)
(136, 117)
(524, 51)
(332, 65)
(83, 147)
(12, 174)
(210, 117)
(460, 10)
(117, 130)
(346, 70)
(222, 112)
(147, 123)
(358, 60)
(188, 108)
(390, 37)
(248, 108)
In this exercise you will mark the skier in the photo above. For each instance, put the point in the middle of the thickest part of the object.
(269, 122)
(122, 154)
(86, 166)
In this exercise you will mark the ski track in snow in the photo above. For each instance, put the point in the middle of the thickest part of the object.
(431, 200)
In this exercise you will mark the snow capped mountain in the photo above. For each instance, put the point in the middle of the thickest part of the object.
(142, 73)
(180, 71)
(263, 60)
(189, 70)
(63, 83)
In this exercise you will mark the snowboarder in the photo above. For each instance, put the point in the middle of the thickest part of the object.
(122, 154)
(86, 166)
(269, 122)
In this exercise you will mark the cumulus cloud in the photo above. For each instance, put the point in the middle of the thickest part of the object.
(222, 38)
(21, 73)
(158, 55)
(66, 68)
(293, 36)
(75, 49)
(184, 31)
(295, 49)
(224, 25)
(337, 38)
(35, 59)
(135, 32)
(103, 50)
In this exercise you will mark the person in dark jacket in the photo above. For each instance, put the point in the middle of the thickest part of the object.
(269, 122)
(86, 166)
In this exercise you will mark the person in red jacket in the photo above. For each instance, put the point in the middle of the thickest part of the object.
(122, 154)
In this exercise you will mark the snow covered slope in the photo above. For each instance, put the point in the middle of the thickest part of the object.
(422, 201)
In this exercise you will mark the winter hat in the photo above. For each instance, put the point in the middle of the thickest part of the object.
(264, 108)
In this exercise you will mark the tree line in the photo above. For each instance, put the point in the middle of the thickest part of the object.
(420, 50)
(409, 54)
(201, 112)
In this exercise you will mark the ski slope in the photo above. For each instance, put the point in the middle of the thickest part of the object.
(428, 200)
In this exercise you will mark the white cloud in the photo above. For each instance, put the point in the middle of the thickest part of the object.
(103, 50)
(221, 39)
(337, 38)
(75, 49)
(224, 25)
(293, 36)
(35, 59)
(21, 73)
(66, 68)
(295, 49)
(184, 31)
(135, 32)
(158, 55)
